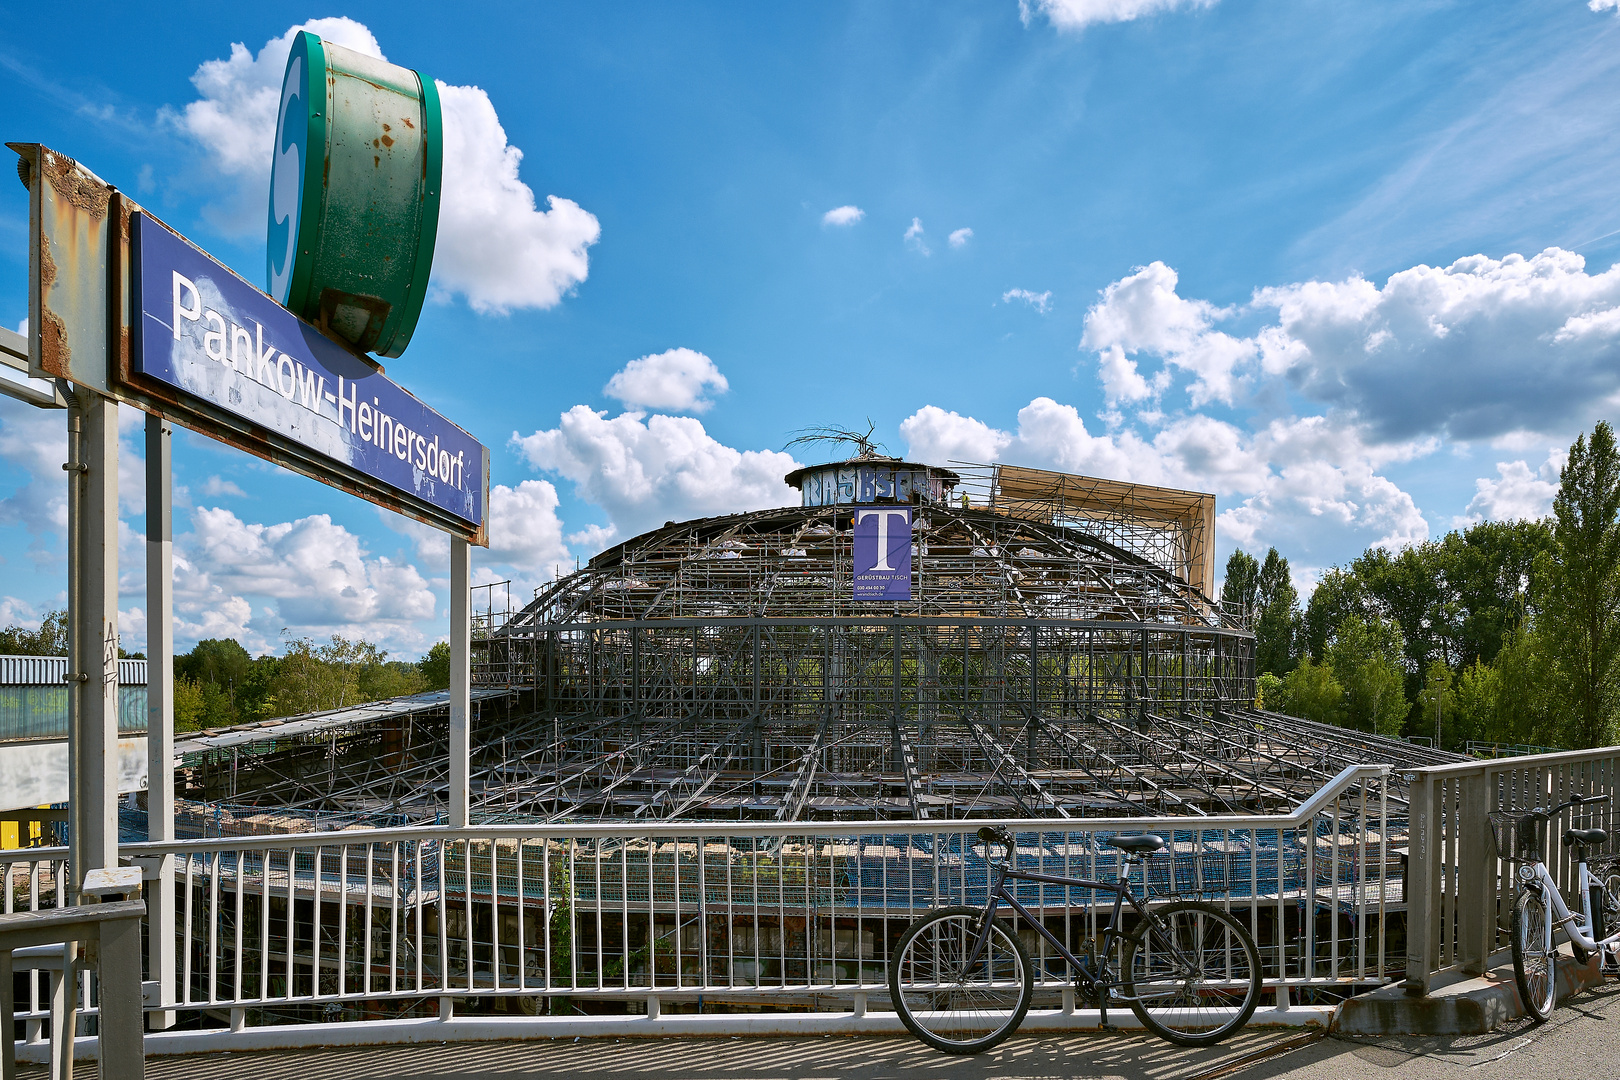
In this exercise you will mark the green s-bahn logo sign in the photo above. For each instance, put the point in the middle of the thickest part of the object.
(354, 194)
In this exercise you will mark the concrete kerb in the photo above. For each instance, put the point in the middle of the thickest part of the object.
(1462, 1007)
(503, 1028)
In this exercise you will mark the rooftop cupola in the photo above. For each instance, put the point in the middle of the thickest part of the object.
(872, 479)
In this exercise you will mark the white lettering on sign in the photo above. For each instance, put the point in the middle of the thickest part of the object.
(250, 356)
(883, 515)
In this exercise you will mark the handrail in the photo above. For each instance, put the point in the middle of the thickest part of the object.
(50, 920)
(722, 910)
(1509, 764)
(115, 928)
(1458, 892)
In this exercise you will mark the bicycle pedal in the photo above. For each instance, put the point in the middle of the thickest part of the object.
(1107, 1027)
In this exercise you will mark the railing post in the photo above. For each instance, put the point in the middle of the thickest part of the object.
(1422, 881)
(1476, 908)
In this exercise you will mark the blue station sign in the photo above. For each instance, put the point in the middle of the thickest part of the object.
(204, 331)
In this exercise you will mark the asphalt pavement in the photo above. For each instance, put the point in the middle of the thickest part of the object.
(1581, 1042)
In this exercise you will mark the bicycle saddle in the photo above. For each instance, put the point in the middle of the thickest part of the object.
(1142, 842)
(1589, 837)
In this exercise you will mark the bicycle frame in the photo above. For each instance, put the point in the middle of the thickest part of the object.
(1098, 982)
(1577, 926)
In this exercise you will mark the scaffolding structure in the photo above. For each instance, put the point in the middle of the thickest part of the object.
(719, 669)
(1169, 527)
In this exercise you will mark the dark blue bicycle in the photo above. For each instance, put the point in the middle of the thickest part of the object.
(962, 982)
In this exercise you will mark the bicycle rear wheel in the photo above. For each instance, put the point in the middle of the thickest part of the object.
(1192, 972)
(1535, 958)
(953, 1005)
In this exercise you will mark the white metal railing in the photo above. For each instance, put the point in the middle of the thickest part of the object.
(1461, 893)
(302, 927)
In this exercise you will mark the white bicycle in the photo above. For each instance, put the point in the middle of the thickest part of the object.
(1540, 911)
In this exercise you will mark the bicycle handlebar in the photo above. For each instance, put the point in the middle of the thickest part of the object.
(1575, 800)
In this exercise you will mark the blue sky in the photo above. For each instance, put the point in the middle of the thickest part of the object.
(1348, 266)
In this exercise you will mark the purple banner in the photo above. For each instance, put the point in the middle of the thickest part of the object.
(882, 553)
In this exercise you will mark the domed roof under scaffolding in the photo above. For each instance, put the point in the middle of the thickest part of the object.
(1056, 653)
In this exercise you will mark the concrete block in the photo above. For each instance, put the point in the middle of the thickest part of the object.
(1467, 1006)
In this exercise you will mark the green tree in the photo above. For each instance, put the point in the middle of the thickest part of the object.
(1268, 691)
(220, 669)
(1241, 585)
(1276, 630)
(1339, 595)
(435, 667)
(1436, 708)
(1310, 691)
(393, 678)
(1367, 659)
(188, 705)
(1495, 573)
(1527, 688)
(314, 678)
(1583, 631)
(49, 640)
(1474, 703)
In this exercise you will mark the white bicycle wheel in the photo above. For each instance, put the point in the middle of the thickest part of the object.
(1535, 958)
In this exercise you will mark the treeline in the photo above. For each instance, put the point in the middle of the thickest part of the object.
(1502, 632)
(218, 683)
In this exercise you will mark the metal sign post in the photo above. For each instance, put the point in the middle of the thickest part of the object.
(160, 700)
(124, 310)
(92, 468)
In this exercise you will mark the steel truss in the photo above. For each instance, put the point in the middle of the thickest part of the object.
(717, 670)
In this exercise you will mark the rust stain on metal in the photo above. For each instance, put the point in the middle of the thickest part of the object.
(47, 265)
(54, 354)
(72, 186)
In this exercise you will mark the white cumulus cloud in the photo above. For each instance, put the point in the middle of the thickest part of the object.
(914, 237)
(1515, 492)
(1144, 313)
(1079, 14)
(843, 215)
(1281, 483)
(496, 247)
(1040, 301)
(1475, 350)
(320, 575)
(960, 237)
(216, 487)
(643, 470)
(525, 534)
(675, 380)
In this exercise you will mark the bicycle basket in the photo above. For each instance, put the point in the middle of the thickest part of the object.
(1518, 834)
(1183, 873)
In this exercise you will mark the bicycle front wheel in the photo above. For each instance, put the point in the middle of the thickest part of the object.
(1535, 958)
(949, 1002)
(1192, 973)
